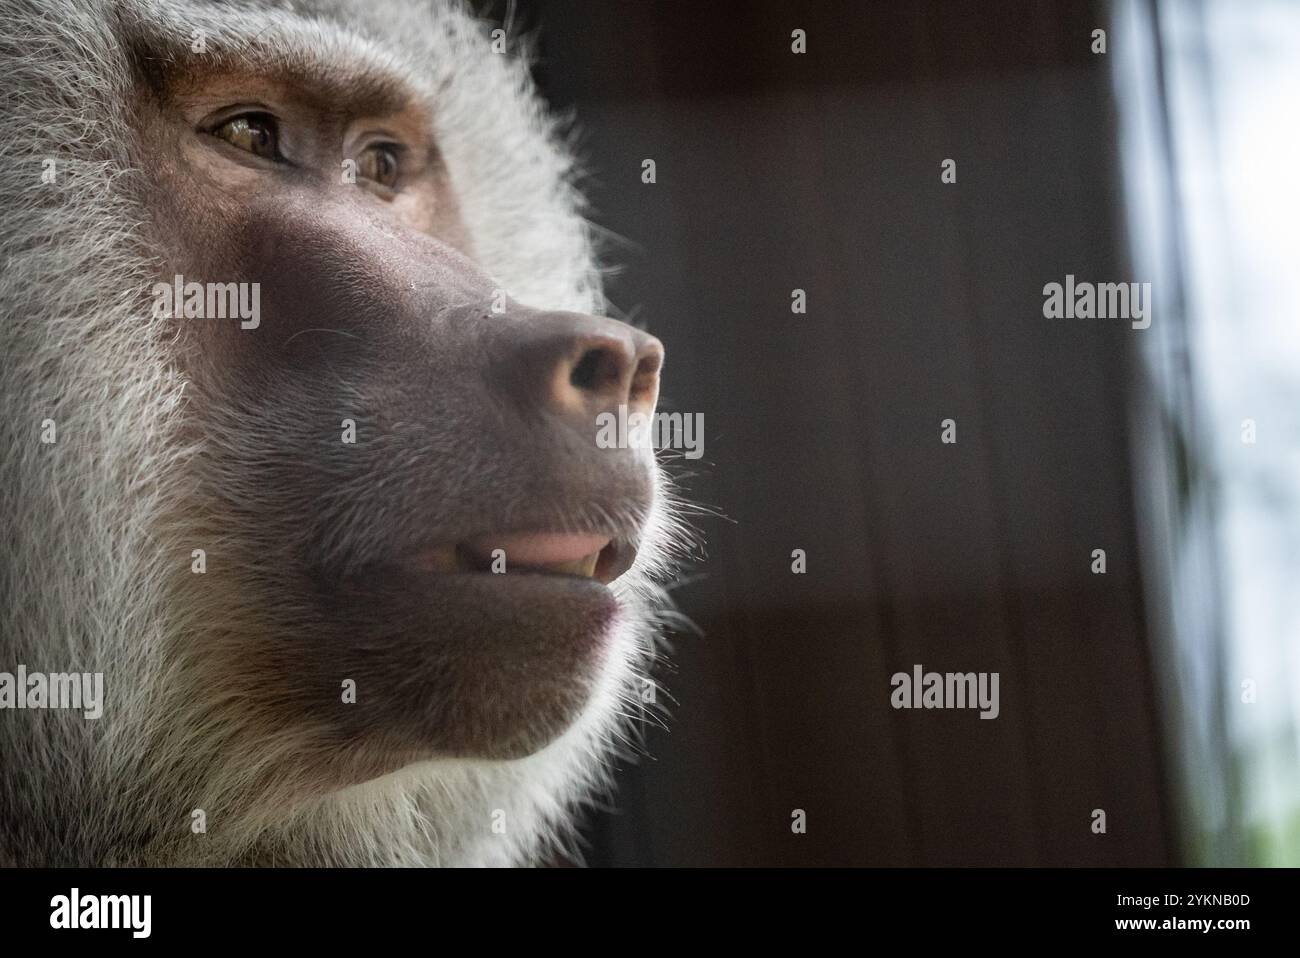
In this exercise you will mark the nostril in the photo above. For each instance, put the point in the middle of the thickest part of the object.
(597, 371)
(577, 365)
(645, 381)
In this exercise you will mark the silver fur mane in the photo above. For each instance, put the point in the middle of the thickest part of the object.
(97, 544)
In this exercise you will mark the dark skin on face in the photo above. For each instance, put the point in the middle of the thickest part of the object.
(475, 429)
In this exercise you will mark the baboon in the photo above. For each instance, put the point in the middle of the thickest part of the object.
(362, 586)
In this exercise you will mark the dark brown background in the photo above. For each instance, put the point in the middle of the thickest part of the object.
(822, 431)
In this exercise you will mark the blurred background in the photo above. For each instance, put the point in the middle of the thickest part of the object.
(1164, 691)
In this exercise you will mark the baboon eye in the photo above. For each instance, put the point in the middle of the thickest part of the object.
(254, 132)
(378, 164)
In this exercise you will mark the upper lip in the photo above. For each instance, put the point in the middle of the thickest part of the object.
(589, 555)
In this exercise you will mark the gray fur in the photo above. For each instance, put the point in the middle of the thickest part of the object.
(98, 528)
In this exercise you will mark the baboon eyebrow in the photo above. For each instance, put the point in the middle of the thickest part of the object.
(353, 77)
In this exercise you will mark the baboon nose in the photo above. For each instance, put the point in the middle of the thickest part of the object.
(582, 366)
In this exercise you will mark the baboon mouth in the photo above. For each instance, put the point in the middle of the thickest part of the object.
(583, 555)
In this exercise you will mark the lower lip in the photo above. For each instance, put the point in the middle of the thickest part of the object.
(536, 598)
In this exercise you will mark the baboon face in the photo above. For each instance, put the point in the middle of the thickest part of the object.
(402, 459)
(312, 304)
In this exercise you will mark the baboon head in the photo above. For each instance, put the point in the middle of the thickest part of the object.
(302, 392)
